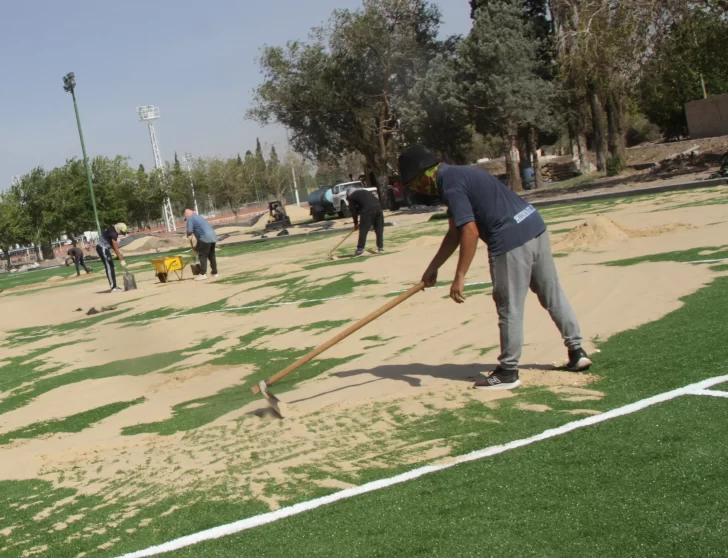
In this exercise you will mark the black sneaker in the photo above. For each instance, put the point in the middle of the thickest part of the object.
(358, 253)
(578, 361)
(498, 379)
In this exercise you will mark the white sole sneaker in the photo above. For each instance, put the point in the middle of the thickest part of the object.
(500, 387)
(584, 363)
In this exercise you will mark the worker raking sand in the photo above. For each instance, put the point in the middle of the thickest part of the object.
(519, 250)
(365, 207)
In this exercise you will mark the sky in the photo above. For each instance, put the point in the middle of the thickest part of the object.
(195, 60)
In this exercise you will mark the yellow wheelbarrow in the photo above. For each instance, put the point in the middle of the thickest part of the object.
(173, 264)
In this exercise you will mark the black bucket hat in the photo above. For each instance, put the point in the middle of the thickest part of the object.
(414, 160)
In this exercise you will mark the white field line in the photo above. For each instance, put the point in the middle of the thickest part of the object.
(714, 393)
(263, 519)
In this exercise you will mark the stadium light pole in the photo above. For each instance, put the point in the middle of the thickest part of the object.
(148, 114)
(69, 86)
(189, 160)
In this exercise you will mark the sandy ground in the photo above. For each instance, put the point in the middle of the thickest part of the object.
(428, 352)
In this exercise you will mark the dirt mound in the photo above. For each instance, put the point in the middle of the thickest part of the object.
(156, 244)
(600, 229)
(55, 279)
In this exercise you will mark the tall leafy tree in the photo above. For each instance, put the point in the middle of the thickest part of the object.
(340, 93)
(504, 85)
(687, 63)
(435, 113)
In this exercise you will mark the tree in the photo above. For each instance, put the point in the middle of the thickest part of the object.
(144, 198)
(435, 113)
(504, 88)
(11, 223)
(340, 93)
(231, 183)
(686, 64)
(273, 161)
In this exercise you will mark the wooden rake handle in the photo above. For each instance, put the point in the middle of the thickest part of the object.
(341, 336)
(342, 242)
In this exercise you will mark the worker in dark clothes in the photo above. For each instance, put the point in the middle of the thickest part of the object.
(365, 207)
(77, 254)
(108, 241)
(519, 251)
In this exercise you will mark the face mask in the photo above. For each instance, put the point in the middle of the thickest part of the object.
(426, 182)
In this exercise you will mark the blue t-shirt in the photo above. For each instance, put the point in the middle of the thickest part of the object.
(504, 219)
(201, 229)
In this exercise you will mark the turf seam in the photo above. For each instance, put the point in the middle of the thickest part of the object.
(270, 517)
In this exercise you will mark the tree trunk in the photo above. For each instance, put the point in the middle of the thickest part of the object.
(533, 141)
(524, 153)
(574, 147)
(584, 165)
(615, 130)
(598, 124)
(514, 176)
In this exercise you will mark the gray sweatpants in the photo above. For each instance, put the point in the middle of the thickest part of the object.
(513, 273)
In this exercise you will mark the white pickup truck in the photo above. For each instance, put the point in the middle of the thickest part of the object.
(339, 195)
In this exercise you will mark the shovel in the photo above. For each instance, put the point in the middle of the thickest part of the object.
(195, 267)
(277, 404)
(129, 282)
(331, 254)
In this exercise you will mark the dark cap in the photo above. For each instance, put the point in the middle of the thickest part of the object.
(414, 160)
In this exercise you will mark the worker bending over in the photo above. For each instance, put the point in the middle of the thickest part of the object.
(109, 241)
(367, 212)
(519, 251)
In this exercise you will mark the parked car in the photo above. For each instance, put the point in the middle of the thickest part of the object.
(398, 195)
(339, 196)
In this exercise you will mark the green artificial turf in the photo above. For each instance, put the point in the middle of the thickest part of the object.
(632, 365)
(249, 352)
(73, 423)
(649, 484)
(684, 256)
(22, 380)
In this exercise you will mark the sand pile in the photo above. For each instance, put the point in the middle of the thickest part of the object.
(156, 244)
(600, 229)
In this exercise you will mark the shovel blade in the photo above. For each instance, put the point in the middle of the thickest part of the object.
(277, 405)
(129, 282)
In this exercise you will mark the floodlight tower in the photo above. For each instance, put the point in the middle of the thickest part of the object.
(149, 114)
(188, 160)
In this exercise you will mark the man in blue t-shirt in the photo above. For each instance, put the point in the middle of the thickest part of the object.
(519, 251)
(206, 241)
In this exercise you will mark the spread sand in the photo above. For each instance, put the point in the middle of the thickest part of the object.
(348, 419)
(600, 230)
